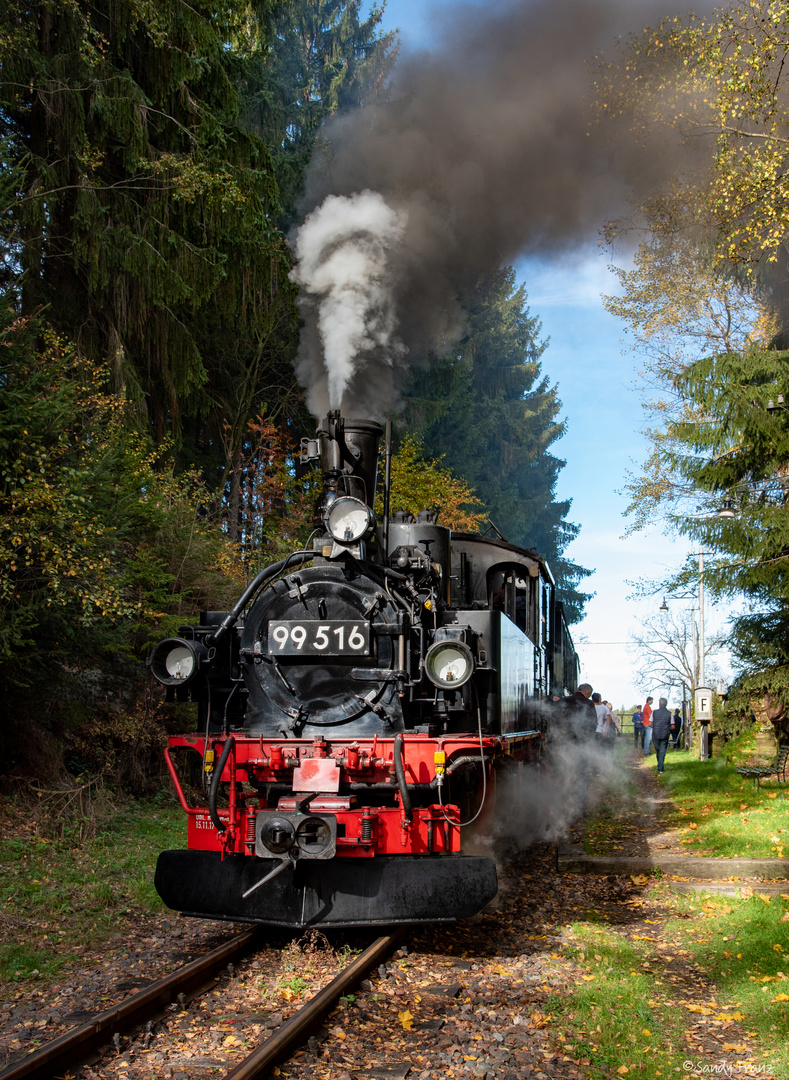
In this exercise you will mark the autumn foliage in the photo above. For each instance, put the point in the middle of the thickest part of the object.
(419, 482)
(99, 540)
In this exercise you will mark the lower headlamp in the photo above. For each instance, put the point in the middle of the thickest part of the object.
(449, 664)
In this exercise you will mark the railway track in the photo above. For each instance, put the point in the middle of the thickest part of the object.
(474, 997)
(56, 1057)
(294, 1031)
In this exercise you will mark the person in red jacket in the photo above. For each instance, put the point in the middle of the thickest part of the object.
(647, 722)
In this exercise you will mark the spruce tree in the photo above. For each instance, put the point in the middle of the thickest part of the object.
(732, 454)
(140, 201)
(490, 410)
(323, 57)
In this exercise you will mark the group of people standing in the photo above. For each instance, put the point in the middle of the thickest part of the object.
(590, 717)
(656, 726)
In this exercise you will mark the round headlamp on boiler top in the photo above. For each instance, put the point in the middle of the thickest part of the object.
(176, 661)
(348, 520)
(449, 664)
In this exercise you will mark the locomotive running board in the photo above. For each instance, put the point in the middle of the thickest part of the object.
(336, 892)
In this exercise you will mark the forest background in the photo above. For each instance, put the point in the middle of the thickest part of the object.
(152, 163)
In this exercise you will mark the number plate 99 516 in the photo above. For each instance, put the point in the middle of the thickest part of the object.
(310, 637)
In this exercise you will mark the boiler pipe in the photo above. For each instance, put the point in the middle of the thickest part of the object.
(213, 789)
(387, 485)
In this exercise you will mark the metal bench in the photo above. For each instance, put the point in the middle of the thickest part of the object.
(779, 768)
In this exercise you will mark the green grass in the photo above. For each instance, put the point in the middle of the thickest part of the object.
(611, 1019)
(723, 813)
(717, 812)
(621, 1014)
(59, 895)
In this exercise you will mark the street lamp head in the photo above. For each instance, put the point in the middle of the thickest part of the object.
(663, 609)
(727, 510)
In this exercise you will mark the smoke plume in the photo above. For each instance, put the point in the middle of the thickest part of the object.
(484, 152)
(345, 276)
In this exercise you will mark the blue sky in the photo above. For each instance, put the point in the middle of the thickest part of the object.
(596, 376)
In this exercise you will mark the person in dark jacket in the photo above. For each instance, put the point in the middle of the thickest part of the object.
(579, 713)
(661, 732)
(574, 734)
(676, 729)
(638, 729)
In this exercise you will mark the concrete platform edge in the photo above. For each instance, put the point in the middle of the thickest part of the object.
(571, 859)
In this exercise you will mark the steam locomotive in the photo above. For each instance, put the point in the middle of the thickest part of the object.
(356, 709)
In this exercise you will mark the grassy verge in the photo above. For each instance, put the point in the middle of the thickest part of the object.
(716, 811)
(59, 895)
(706, 982)
(723, 813)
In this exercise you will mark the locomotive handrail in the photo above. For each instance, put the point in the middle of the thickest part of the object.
(179, 791)
(257, 582)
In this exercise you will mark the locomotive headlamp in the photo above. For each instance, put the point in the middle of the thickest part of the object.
(449, 664)
(348, 520)
(175, 661)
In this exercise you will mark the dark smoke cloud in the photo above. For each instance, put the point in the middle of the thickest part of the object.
(488, 152)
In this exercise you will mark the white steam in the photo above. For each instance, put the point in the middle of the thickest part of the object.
(344, 255)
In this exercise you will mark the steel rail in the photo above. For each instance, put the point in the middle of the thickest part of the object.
(75, 1045)
(279, 1045)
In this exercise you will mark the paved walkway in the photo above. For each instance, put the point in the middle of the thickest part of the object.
(646, 842)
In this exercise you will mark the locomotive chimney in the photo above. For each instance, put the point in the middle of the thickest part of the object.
(348, 452)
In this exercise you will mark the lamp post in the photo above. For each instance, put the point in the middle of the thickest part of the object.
(699, 673)
(687, 728)
(701, 619)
